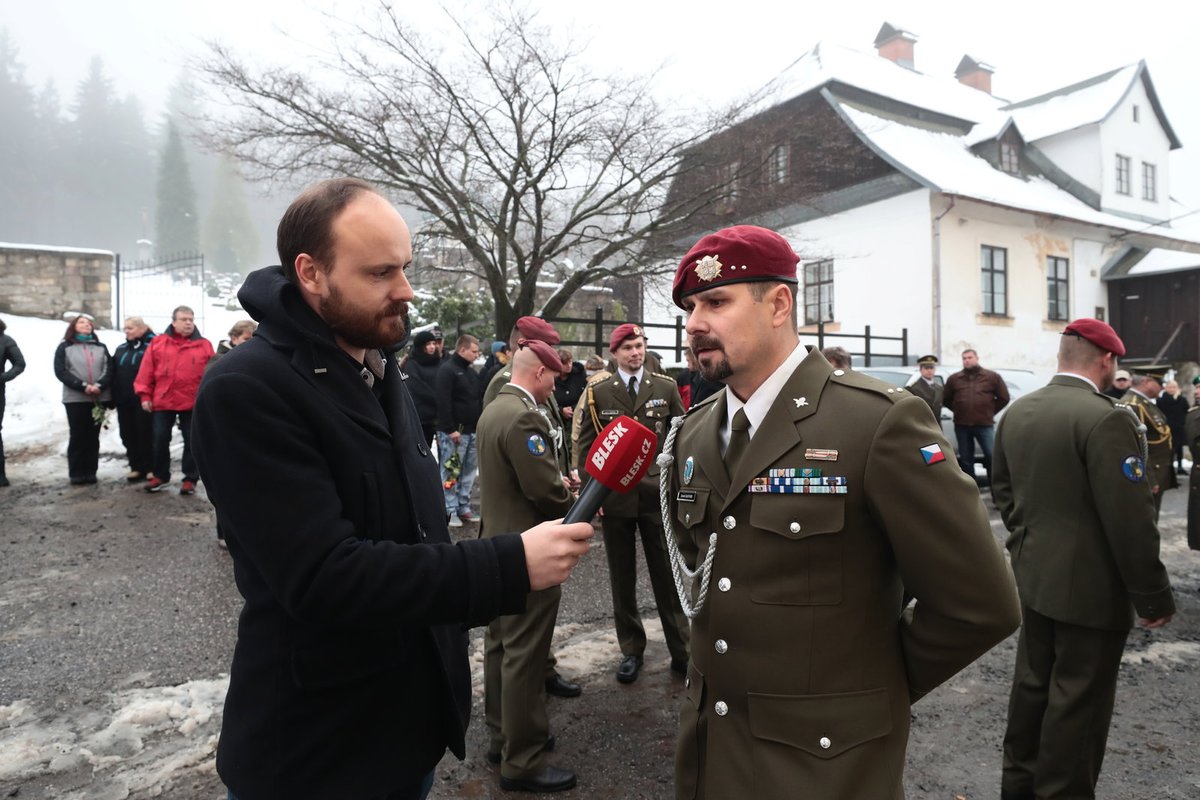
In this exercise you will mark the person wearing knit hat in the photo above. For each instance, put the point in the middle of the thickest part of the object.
(803, 502)
(1068, 452)
(536, 328)
(653, 400)
(522, 484)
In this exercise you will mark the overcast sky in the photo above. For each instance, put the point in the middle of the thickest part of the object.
(708, 51)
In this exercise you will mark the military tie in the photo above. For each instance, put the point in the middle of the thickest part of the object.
(739, 440)
(633, 390)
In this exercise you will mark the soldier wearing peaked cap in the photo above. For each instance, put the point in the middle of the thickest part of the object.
(928, 386)
(803, 501)
(1145, 386)
(1067, 452)
(653, 400)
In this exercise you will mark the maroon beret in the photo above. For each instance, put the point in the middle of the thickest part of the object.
(537, 328)
(1098, 333)
(623, 332)
(739, 254)
(545, 352)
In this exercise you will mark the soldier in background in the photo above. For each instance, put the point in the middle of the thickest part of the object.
(652, 400)
(927, 386)
(838, 357)
(1065, 452)
(1191, 432)
(523, 486)
(1144, 387)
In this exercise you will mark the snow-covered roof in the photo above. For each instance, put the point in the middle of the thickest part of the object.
(54, 248)
(1160, 260)
(943, 162)
(1085, 103)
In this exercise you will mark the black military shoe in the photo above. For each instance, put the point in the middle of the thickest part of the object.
(629, 668)
(550, 779)
(560, 687)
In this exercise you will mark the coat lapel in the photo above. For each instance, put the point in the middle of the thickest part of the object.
(336, 378)
(779, 432)
(707, 445)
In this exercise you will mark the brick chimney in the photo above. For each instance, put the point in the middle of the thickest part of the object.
(896, 44)
(975, 73)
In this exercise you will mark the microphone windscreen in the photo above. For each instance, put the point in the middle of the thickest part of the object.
(621, 454)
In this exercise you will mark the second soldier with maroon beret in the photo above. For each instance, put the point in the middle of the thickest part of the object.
(653, 400)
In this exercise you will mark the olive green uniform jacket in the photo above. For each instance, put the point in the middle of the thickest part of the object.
(1191, 430)
(931, 393)
(562, 444)
(1071, 488)
(803, 666)
(607, 398)
(522, 487)
(1160, 464)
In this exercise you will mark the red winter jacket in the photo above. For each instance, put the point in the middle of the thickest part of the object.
(171, 370)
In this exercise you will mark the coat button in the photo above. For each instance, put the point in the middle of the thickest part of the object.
(891, 391)
(687, 683)
(721, 708)
(724, 584)
(825, 743)
(794, 527)
(839, 372)
(730, 523)
(421, 449)
(421, 531)
(721, 645)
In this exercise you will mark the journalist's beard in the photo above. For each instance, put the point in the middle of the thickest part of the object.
(360, 328)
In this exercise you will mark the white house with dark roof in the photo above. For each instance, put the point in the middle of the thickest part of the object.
(926, 203)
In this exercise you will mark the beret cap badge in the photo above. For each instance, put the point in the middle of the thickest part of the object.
(708, 268)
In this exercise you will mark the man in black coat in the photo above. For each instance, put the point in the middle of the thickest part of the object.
(459, 403)
(350, 675)
(9, 354)
(421, 367)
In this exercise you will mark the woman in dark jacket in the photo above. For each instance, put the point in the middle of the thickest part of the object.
(568, 387)
(9, 354)
(84, 366)
(1175, 408)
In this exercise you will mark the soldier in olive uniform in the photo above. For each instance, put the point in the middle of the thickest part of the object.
(1072, 489)
(1191, 429)
(928, 387)
(523, 487)
(1144, 388)
(537, 328)
(652, 400)
(805, 500)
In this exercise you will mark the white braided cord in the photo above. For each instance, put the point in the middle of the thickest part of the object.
(684, 578)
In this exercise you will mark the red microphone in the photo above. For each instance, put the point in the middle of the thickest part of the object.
(619, 458)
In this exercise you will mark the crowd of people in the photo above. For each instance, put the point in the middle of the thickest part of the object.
(818, 559)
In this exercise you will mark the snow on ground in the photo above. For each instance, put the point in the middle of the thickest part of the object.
(34, 417)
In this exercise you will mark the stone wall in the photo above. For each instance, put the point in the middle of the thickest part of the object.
(49, 282)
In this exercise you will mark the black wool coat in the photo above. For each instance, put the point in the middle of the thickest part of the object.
(350, 675)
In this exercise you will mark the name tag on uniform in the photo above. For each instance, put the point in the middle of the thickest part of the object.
(610, 414)
(686, 496)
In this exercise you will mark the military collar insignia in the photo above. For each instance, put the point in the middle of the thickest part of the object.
(800, 401)
(689, 467)
(708, 268)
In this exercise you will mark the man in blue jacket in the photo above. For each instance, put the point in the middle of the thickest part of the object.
(350, 675)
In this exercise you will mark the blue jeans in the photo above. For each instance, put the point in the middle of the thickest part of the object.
(163, 422)
(967, 435)
(458, 497)
(417, 791)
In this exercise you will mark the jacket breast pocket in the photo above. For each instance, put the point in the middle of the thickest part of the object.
(691, 509)
(798, 544)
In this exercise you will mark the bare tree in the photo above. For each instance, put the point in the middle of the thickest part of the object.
(510, 146)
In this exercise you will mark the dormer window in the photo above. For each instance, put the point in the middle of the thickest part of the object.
(1123, 175)
(1136, 116)
(1010, 162)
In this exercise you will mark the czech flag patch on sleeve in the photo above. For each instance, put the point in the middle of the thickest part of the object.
(932, 453)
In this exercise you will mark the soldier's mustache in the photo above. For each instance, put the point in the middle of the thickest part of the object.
(705, 343)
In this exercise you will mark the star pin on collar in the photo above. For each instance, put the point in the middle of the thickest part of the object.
(800, 401)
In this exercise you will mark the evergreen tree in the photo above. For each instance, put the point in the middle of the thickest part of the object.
(17, 145)
(230, 241)
(176, 223)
